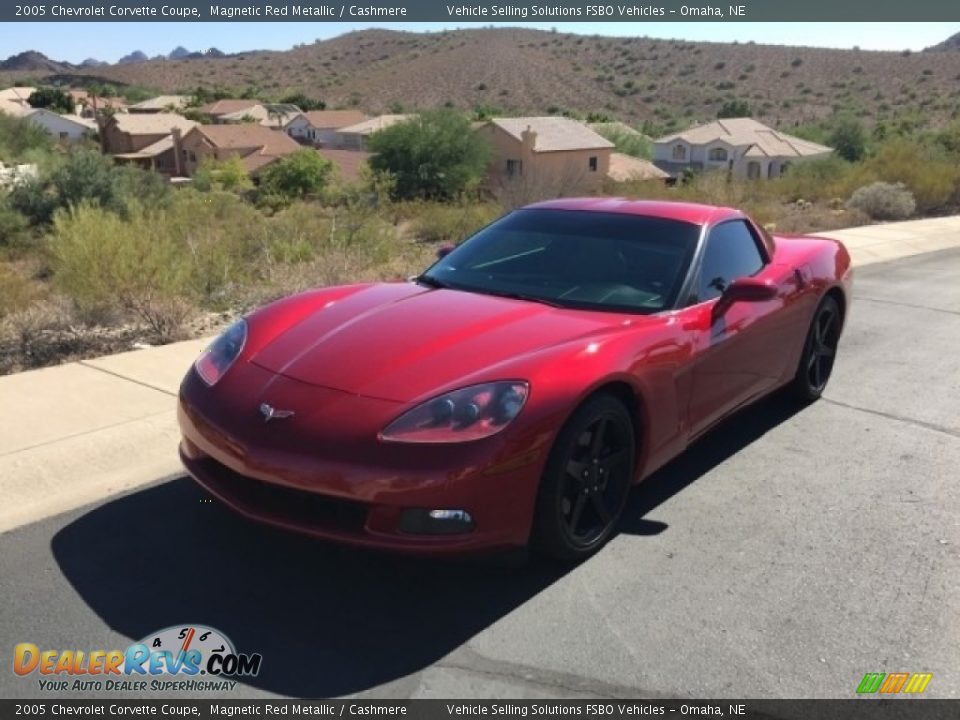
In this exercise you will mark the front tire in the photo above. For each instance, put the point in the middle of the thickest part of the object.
(586, 481)
(819, 352)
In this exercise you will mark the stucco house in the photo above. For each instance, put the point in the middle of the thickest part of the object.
(257, 146)
(320, 127)
(548, 155)
(65, 128)
(13, 101)
(230, 106)
(354, 137)
(747, 148)
(273, 115)
(159, 104)
(126, 133)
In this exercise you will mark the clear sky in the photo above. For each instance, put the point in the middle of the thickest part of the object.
(74, 42)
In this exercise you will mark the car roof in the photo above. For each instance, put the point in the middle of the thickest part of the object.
(686, 212)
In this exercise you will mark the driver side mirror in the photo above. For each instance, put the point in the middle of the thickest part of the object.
(746, 289)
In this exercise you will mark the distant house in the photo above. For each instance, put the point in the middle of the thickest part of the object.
(355, 136)
(273, 115)
(65, 128)
(219, 108)
(747, 148)
(624, 168)
(85, 103)
(159, 156)
(320, 127)
(257, 146)
(161, 103)
(13, 101)
(557, 155)
(126, 133)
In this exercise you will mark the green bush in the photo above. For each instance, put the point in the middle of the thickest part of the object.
(20, 139)
(884, 201)
(433, 156)
(303, 173)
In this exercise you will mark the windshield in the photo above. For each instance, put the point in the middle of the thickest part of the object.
(572, 258)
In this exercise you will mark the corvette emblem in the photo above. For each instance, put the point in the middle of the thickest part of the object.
(269, 413)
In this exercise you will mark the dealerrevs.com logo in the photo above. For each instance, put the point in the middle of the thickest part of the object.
(180, 658)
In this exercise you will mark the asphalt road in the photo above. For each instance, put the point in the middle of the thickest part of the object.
(785, 555)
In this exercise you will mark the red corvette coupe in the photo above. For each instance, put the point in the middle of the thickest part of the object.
(513, 392)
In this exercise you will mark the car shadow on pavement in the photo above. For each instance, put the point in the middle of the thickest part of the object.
(724, 441)
(328, 621)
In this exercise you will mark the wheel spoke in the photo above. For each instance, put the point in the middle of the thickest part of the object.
(612, 461)
(577, 512)
(817, 370)
(826, 351)
(600, 508)
(596, 442)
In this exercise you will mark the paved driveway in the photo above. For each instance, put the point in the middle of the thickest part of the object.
(785, 555)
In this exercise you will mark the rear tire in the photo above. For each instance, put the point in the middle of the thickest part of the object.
(819, 352)
(586, 481)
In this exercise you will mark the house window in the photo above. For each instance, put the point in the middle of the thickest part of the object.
(593, 163)
(784, 168)
(514, 168)
(193, 156)
(718, 154)
(64, 136)
(753, 170)
(679, 152)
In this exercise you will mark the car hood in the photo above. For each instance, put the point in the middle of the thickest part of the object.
(401, 342)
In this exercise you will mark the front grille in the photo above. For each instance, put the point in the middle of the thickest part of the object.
(276, 502)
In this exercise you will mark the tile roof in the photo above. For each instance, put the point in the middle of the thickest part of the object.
(258, 146)
(372, 125)
(161, 102)
(17, 94)
(348, 162)
(10, 107)
(761, 141)
(334, 119)
(222, 107)
(626, 167)
(152, 150)
(151, 123)
(553, 133)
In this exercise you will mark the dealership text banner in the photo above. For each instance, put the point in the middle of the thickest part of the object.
(476, 709)
(476, 12)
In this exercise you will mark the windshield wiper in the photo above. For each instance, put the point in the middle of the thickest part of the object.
(522, 296)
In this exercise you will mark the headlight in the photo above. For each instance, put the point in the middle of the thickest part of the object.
(217, 359)
(470, 413)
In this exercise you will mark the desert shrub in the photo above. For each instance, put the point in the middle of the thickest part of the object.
(884, 201)
(105, 263)
(817, 179)
(848, 139)
(451, 223)
(19, 138)
(52, 98)
(16, 291)
(932, 178)
(228, 174)
(12, 224)
(628, 143)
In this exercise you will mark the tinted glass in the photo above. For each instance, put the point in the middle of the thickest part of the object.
(589, 260)
(731, 253)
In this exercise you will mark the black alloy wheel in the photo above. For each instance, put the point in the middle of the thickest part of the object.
(819, 352)
(587, 480)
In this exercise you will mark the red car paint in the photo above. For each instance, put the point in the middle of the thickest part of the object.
(350, 360)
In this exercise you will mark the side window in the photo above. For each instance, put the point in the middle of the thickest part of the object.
(731, 253)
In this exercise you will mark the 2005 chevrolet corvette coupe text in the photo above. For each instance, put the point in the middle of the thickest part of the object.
(513, 392)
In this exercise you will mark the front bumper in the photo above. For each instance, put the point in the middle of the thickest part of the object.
(359, 496)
